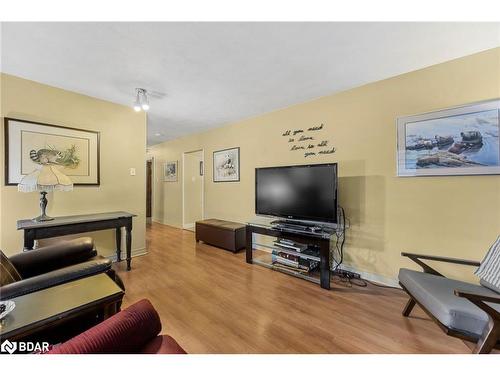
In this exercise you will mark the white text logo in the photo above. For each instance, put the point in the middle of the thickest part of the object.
(9, 347)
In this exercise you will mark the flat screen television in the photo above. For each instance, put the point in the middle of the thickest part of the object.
(300, 192)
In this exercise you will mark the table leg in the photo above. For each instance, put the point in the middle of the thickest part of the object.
(324, 266)
(119, 244)
(110, 310)
(29, 239)
(249, 244)
(129, 243)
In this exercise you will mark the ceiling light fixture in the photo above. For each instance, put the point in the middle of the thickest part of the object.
(141, 100)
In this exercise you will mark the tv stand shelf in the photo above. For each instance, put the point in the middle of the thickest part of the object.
(271, 249)
(320, 239)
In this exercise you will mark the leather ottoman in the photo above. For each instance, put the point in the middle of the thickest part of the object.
(228, 235)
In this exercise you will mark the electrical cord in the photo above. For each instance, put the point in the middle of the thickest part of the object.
(338, 257)
(338, 251)
(348, 281)
(380, 285)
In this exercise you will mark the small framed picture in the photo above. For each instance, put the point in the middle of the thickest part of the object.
(456, 141)
(226, 165)
(170, 171)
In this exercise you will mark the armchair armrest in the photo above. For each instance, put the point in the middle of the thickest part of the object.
(49, 258)
(428, 269)
(126, 332)
(442, 259)
(478, 297)
(57, 277)
(480, 300)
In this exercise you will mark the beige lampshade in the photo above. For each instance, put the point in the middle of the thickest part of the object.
(46, 177)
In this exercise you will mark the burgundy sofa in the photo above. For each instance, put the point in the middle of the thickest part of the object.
(133, 330)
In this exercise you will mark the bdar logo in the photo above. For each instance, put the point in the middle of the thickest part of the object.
(9, 347)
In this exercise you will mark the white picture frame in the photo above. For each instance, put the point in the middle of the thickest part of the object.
(170, 171)
(450, 142)
(226, 165)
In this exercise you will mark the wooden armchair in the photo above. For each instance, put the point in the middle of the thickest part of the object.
(466, 311)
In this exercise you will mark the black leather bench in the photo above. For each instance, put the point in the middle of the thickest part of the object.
(228, 235)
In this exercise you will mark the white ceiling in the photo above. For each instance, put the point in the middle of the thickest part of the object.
(204, 75)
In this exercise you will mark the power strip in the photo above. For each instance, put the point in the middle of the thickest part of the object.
(346, 274)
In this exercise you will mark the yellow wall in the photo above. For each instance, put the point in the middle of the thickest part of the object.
(450, 216)
(123, 146)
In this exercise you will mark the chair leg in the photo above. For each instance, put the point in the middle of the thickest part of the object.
(489, 338)
(409, 306)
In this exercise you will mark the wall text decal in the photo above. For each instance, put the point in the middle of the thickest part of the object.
(315, 128)
(309, 150)
(330, 151)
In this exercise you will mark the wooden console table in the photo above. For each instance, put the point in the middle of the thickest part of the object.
(64, 225)
(321, 240)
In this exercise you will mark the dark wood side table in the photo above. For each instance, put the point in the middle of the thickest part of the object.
(66, 309)
(321, 240)
(64, 225)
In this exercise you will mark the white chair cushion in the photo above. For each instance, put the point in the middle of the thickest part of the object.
(489, 270)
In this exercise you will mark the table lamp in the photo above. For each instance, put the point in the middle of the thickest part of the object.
(45, 178)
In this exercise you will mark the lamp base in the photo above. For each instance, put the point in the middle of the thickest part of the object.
(43, 206)
(43, 218)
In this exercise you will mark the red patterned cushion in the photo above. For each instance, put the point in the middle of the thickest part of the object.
(126, 332)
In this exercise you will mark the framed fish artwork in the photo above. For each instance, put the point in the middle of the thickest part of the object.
(450, 142)
(29, 144)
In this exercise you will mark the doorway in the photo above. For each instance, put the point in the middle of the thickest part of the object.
(149, 190)
(192, 188)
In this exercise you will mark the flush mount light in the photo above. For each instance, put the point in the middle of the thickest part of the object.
(141, 100)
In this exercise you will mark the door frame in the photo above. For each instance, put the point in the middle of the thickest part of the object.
(191, 225)
(153, 185)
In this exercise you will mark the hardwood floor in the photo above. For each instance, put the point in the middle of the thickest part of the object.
(211, 301)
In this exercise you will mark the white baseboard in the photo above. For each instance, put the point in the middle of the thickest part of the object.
(372, 276)
(135, 253)
(178, 226)
(188, 226)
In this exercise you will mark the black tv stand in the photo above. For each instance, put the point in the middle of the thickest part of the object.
(320, 239)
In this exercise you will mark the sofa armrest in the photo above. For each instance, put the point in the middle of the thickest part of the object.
(126, 332)
(57, 277)
(49, 258)
(417, 258)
